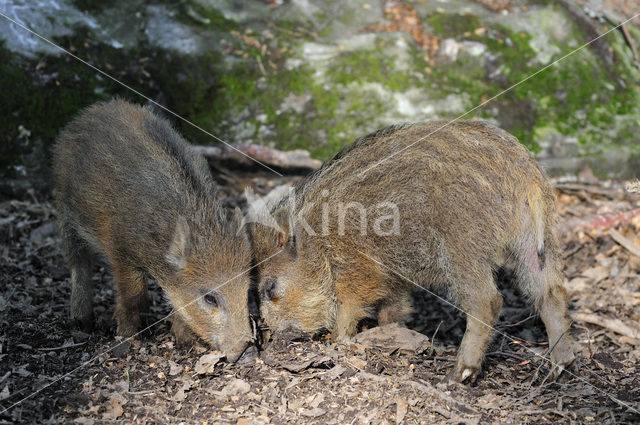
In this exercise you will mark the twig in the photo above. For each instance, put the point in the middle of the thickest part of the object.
(298, 158)
(505, 354)
(616, 325)
(541, 412)
(264, 72)
(598, 190)
(531, 316)
(143, 392)
(5, 376)
(62, 347)
(631, 43)
(433, 338)
(569, 254)
(260, 406)
(624, 242)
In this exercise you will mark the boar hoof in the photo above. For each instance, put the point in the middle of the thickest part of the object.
(464, 373)
(85, 324)
(561, 361)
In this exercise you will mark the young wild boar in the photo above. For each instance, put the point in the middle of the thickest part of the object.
(444, 213)
(129, 187)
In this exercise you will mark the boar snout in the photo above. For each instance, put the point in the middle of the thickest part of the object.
(272, 289)
(242, 352)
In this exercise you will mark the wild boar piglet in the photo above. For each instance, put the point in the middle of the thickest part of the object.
(444, 213)
(130, 188)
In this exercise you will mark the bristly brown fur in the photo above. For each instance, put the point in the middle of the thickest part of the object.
(129, 187)
(470, 199)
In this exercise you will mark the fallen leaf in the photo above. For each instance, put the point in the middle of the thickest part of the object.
(181, 395)
(596, 274)
(316, 400)
(313, 413)
(577, 285)
(206, 364)
(22, 371)
(5, 394)
(236, 387)
(121, 386)
(174, 368)
(357, 362)
(335, 372)
(315, 361)
(114, 409)
(394, 337)
(402, 406)
(121, 349)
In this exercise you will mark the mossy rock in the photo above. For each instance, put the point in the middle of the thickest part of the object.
(316, 77)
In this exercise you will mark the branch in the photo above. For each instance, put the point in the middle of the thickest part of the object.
(297, 158)
(624, 242)
(616, 325)
(597, 222)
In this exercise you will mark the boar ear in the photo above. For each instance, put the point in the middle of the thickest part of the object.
(238, 218)
(242, 224)
(179, 248)
(286, 241)
(250, 195)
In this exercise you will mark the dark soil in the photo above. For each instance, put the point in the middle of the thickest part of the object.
(51, 373)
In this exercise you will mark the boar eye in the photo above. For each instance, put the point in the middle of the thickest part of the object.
(211, 300)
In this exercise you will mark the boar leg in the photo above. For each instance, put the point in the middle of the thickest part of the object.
(394, 310)
(482, 306)
(347, 317)
(79, 259)
(540, 277)
(553, 312)
(132, 299)
(181, 331)
(80, 266)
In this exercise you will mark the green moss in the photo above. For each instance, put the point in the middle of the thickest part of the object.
(368, 66)
(514, 49)
(238, 93)
(222, 96)
(318, 128)
(577, 97)
(562, 95)
(41, 102)
(45, 100)
(452, 25)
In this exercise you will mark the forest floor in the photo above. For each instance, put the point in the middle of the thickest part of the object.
(51, 373)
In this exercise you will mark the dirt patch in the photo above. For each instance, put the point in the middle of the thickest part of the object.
(385, 378)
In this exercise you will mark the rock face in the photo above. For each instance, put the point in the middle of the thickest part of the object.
(311, 75)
